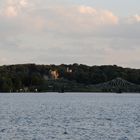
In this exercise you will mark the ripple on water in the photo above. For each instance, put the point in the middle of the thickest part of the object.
(69, 117)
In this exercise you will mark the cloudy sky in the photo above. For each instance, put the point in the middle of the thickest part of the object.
(92, 32)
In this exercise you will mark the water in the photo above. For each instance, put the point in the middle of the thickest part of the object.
(70, 116)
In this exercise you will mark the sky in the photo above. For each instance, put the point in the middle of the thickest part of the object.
(91, 32)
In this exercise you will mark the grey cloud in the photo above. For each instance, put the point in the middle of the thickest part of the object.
(46, 34)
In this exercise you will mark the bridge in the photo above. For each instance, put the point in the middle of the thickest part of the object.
(118, 85)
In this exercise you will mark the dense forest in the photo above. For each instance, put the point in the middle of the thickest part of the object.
(75, 77)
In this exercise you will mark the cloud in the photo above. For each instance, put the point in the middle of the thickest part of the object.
(17, 3)
(79, 18)
(133, 19)
(87, 10)
(12, 8)
(10, 11)
(66, 34)
(23, 3)
(102, 16)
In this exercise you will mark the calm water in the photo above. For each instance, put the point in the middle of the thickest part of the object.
(69, 116)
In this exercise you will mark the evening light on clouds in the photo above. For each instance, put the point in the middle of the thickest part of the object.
(84, 31)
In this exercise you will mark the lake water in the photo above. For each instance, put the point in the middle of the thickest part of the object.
(70, 116)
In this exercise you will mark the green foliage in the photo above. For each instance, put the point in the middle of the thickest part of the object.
(30, 76)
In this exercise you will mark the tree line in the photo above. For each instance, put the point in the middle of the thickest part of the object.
(31, 76)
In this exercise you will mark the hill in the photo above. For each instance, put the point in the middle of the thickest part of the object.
(75, 77)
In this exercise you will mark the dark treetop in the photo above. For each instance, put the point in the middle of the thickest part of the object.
(75, 77)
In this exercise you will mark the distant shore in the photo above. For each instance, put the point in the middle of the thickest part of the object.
(68, 78)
